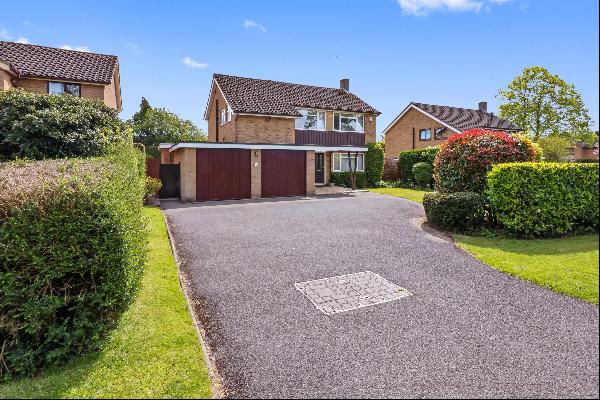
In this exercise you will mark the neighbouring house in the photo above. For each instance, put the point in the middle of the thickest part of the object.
(421, 125)
(582, 151)
(268, 139)
(50, 70)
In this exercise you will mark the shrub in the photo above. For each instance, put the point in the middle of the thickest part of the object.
(407, 159)
(458, 212)
(343, 179)
(390, 171)
(544, 199)
(374, 163)
(72, 251)
(423, 173)
(39, 126)
(555, 148)
(152, 186)
(465, 159)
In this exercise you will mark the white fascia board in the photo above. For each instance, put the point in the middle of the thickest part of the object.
(269, 115)
(165, 145)
(421, 111)
(209, 102)
(250, 146)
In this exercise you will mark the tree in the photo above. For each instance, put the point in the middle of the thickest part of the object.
(152, 126)
(555, 149)
(545, 105)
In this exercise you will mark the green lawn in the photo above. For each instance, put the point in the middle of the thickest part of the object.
(410, 194)
(154, 352)
(568, 266)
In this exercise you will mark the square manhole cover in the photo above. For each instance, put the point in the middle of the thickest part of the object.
(350, 292)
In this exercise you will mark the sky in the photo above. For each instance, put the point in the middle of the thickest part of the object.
(449, 52)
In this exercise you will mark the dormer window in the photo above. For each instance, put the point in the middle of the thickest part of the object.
(347, 122)
(311, 120)
(62, 88)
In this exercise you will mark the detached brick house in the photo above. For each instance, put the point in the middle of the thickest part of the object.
(50, 70)
(269, 138)
(421, 125)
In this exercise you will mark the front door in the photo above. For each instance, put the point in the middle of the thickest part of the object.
(319, 167)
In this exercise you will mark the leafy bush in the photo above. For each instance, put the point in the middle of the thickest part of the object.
(374, 163)
(458, 212)
(152, 186)
(555, 148)
(465, 159)
(39, 126)
(343, 179)
(544, 199)
(390, 171)
(423, 173)
(72, 246)
(407, 159)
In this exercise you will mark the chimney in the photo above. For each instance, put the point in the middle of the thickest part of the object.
(483, 106)
(345, 84)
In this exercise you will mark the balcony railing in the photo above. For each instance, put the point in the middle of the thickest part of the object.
(330, 138)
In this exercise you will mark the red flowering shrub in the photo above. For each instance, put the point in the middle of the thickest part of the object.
(465, 159)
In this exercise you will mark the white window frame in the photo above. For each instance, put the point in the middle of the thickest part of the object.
(425, 130)
(229, 113)
(346, 115)
(345, 155)
(223, 117)
(309, 110)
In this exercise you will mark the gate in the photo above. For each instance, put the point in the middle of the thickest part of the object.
(169, 176)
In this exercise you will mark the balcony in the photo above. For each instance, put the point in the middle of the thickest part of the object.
(330, 138)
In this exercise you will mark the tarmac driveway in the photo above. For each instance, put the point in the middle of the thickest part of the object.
(467, 330)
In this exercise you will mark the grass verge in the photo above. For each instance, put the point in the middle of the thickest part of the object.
(568, 266)
(409, 194)
(153, 353)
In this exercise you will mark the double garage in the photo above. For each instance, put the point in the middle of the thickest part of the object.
(215, 171)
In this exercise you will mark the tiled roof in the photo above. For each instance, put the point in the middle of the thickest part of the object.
(32, 61)
(465, 118)
(257, 96)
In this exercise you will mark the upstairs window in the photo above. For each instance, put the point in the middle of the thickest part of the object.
(341, 164)
(62, 88)
(439, 133)
(311, 120)
(347, 122)
(425, 134)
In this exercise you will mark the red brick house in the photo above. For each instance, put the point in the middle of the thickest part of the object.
(50, 70)
(422, 125)
(269, 138)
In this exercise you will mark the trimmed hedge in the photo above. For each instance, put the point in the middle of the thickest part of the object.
(343, 179)
(544, 199)
(461, 212)
(407, 159)
(72, 248)
(374, 159)
(423, 173)
(39, 126)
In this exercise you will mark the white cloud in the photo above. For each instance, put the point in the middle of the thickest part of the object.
(133, 47)
(77, 48)
(193, 64)
(425, 7)
(249, 24)
(23, 40)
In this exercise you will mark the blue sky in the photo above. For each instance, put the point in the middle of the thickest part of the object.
(451, 52)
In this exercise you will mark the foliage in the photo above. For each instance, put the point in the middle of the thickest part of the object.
(39, 126)
(423, 173)
(464, 160)
(73, 246)
(544, 199)
(152, 186)
(555, 148)
(374, 163)
(407, 159)
(457, 212)
(545, 105)
(566, 265)
(344, 179)
(152, 126)
(390, 171)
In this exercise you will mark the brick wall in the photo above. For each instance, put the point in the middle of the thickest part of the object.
(5, 80)
(255, 129)
(400, 136)
(310, 173)
(227, 130)
(255, 174)
(581, 153)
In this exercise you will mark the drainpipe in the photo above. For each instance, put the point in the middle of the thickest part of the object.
(413, 138)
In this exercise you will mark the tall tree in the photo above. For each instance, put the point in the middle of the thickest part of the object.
(545, 105)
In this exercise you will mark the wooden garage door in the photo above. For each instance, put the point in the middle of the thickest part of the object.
(283, 173)
(222, 174)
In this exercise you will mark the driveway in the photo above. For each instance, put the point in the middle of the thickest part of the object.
(466, 331)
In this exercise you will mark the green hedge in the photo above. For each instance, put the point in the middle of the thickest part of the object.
(423, 174)
(407, 159)
(343, 179)
(39, 126)
(72, 243)
(544, 199)
(462, 212)
(374, 159)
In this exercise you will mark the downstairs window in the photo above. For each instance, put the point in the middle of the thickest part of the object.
(341, 164)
